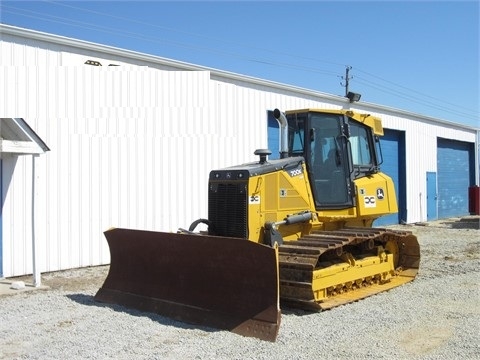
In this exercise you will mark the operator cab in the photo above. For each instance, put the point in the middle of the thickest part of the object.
(337, 150)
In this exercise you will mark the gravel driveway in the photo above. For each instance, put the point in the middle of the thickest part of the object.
(437, 316)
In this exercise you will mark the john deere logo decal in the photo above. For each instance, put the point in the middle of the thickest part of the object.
(380, 194)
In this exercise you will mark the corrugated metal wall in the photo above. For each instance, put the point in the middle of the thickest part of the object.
(132, 147)
(129, 148)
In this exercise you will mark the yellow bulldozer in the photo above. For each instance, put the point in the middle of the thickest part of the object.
(293, 232)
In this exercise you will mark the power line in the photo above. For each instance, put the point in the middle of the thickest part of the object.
(216, 40)
(431, 101)
(410, 98)
(394, 92)
(138, 36)
(412, 90)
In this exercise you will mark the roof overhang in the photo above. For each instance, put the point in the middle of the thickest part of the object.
(18, 138)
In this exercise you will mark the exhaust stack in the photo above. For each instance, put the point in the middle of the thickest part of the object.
(282, 121)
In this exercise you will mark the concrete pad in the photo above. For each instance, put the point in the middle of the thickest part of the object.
(11, 287)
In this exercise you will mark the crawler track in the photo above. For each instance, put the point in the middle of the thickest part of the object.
(330, 268)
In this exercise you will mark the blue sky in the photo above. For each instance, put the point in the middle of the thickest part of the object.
(416, 56)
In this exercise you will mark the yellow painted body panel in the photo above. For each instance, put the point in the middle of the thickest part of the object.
(375, 196)
(277, 195)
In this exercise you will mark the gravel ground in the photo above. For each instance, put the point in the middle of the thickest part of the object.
(437, 316)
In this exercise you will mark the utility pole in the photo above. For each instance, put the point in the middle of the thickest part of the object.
(346, 78)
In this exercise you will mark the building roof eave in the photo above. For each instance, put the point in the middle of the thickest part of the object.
(17, 137)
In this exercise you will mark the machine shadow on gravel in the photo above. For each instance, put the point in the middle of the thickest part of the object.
(89, 300)
(472, 223)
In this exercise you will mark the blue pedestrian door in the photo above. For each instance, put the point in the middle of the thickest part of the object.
(432, 196)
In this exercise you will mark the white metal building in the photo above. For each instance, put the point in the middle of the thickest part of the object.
(132, 146)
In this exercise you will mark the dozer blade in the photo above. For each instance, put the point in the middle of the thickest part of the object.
(225, 283)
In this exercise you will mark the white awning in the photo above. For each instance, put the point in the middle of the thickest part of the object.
(19, 138)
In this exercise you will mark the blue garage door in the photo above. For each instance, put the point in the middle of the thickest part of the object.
(455, 162)
(393, 150)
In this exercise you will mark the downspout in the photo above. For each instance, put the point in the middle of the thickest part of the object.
(477, 156)
(1, 216)
(282, 121)
(36, 269)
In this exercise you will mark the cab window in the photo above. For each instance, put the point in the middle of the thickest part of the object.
(361, 152)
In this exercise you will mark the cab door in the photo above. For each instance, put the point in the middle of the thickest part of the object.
(327, 153)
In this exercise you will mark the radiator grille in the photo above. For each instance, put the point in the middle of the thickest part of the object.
(227, 208)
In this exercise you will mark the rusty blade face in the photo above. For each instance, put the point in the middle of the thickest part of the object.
(409, 255)
(224, 283)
